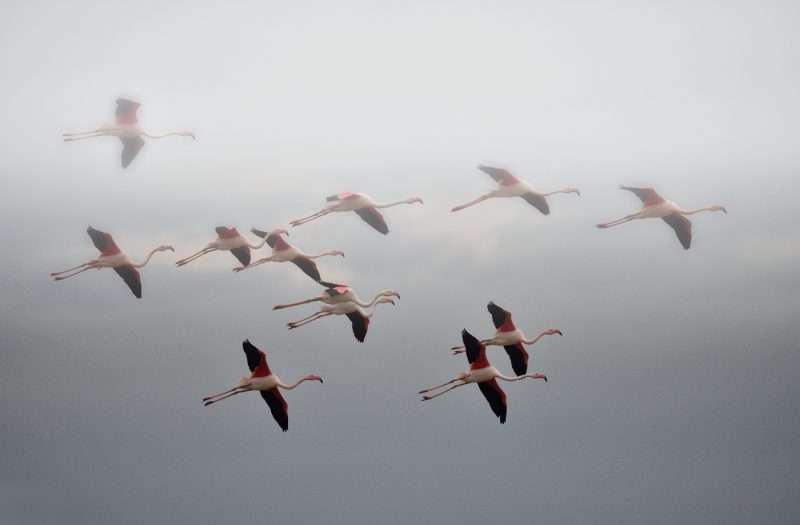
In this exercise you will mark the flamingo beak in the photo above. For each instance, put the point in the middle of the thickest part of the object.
(724, 210)
(559, 333)
(317, 378)
(170, 248)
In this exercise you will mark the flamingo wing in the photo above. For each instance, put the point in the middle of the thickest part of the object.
(644, 194)
(126, 108)
(497, 174)
(308, 266)
(278, 407)
(132, 278)
(519, 358)
(500, 316)
(682, 227)
(496, 398)
(473, 347)
(256, 359)
(360, 325)
(242, 253)
(326, 284)
(103, 241)
(537, 201)
(374, 218)
(130, 148)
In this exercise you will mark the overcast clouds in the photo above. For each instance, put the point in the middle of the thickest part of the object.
(673, 395)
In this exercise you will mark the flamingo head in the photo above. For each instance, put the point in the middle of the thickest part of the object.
(187, 134)
(717, 207)
(279, 231)
(314, 378)
(164, 248)
(390, 293)
(385, 300)
(412, 200)
(554, 331)
(539, 375)
(573, 190)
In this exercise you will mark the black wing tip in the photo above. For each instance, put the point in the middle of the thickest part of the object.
(259, 233)
(332, 198)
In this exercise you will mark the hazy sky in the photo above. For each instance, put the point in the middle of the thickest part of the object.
(673, 395)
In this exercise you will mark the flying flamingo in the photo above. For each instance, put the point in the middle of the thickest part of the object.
(510, 186)
(359, 317)
(229, 239)
(362, 204)
(340, 293)
(510, 337)
(483, 373)
(112, 257)
(654, 206)
(127, 128)
(263, 380)
(282, 251)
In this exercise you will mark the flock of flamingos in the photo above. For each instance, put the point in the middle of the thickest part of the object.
(339, 299)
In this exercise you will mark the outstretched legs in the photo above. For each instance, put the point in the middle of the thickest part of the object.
(304, 220)
(281, 306)
(252, 264)
(306, 320)
(224, 395)
(476, 201)
(618, 221)
(58, 276)
(427, 398)
(197, 255)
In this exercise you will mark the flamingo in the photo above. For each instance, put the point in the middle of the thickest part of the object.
(263, 380)
(282, 251)
(127, 128)
(340, 293)
(510, 186)
(359, 318)
(112, 257)
(483, 373)
(654, 206)
(510, 337)
(228, 239)
(362, 204)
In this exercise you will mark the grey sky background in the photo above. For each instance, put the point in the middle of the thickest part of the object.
(673, 395)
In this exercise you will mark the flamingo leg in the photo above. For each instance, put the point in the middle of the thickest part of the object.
(62, 277)
(222, 393)
(334, 252)
(281, 306)
(98, 130)
(304, 220)
(471, 203)
(307, 320)
(224, 397)
(617, 222)
(70, 139)
(251, 265)
(428, 398)
(72, 269)
(440, 386)
(197, 255)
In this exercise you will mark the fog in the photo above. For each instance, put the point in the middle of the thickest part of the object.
(672, 396)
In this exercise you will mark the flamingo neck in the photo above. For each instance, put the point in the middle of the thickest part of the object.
(257, 245)
(293, 385)
(696, 210)
(147, 259)
(562, 190)
(162, 135)
(390, 204)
